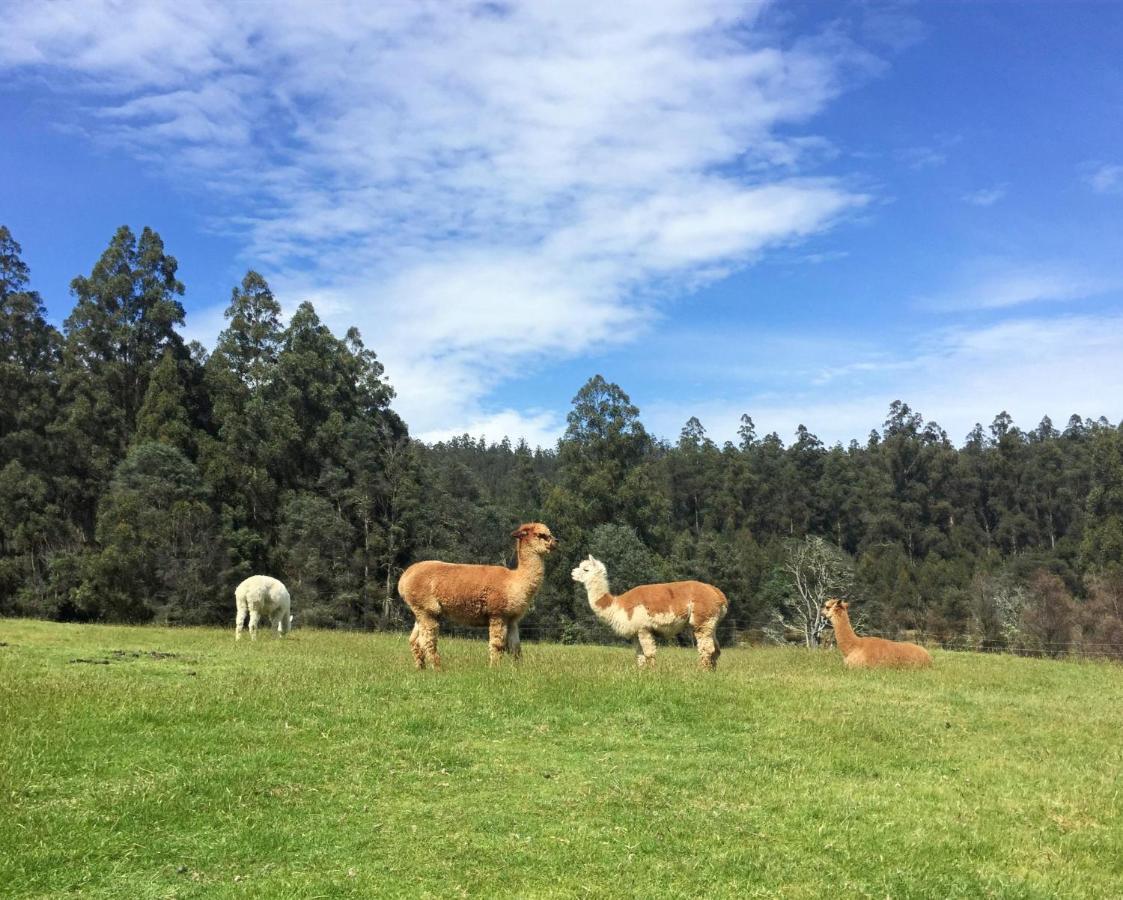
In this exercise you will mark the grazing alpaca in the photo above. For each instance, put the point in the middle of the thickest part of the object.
(652, 609)
(260, 595)
(476, 595)
(870, 652)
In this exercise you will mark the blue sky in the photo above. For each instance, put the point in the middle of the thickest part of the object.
(800, 211)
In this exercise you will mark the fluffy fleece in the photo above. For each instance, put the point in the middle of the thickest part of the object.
(491, 596)
(651, 609)
(260, 595)
(870, 652)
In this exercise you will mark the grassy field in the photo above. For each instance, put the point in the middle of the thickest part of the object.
(324, 766)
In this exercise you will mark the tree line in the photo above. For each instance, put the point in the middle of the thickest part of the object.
(142, 477)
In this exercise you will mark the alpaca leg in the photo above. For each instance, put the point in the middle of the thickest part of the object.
(239, 621)
(708, 651)
(255, 617)
(646, 642)
(430, 628)
(497, 640)
(639, 652)
(514, 644)
(416, 646)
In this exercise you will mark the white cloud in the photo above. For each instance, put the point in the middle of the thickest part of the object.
(203, 324)
(956, 377)
(539, 429)
(985, 196)
(478, 186)
(1106, 178)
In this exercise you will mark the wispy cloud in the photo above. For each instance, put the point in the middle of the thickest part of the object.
(877, 366)
(929, 156)
(985, 196)
(996, 285)
(1105, 178)
(475, 185)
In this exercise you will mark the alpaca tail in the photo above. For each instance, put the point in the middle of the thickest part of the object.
(724, 607)
(402, 583)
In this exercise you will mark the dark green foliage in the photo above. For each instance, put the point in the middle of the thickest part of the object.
(1102, 548)
(249, 345)
(122, 323)
(140, 479)
(629, 561)
(159, 543)
(316, 540)
(163, 416)
(29, 357)
(603, 447)
(33, 527)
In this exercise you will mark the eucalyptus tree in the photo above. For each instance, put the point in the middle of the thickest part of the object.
(123, 321)
(29, 358)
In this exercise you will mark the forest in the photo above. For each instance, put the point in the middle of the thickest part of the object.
(142, 477)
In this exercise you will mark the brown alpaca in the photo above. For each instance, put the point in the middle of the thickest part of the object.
(651, 609)
(870, 652)
(476, 595)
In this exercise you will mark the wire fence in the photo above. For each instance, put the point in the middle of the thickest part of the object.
(593, 635)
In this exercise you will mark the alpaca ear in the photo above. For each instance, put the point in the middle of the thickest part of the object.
(845, 604)
(591, 558)
(519, 533)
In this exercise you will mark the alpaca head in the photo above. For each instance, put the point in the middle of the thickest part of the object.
(589, 569)
(535, 537)
(832, 608)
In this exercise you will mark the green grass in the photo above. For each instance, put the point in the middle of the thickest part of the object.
(324, 766)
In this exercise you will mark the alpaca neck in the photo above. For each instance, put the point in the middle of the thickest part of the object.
(596, 589)
(530, 570)
(844, 635)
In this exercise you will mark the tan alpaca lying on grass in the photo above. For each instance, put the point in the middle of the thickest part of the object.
(870, 652)
(494, 596)
(651, 609)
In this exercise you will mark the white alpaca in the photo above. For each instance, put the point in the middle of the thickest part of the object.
(260, 595)
(651, 609)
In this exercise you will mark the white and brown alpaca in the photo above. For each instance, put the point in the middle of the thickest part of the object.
(492, 596)
(870, 652)
(651, 609)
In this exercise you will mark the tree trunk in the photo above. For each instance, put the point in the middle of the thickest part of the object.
(384, 619)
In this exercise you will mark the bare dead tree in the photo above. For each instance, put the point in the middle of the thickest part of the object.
(818, 570)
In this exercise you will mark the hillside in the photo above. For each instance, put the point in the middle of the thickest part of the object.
(188, 766)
